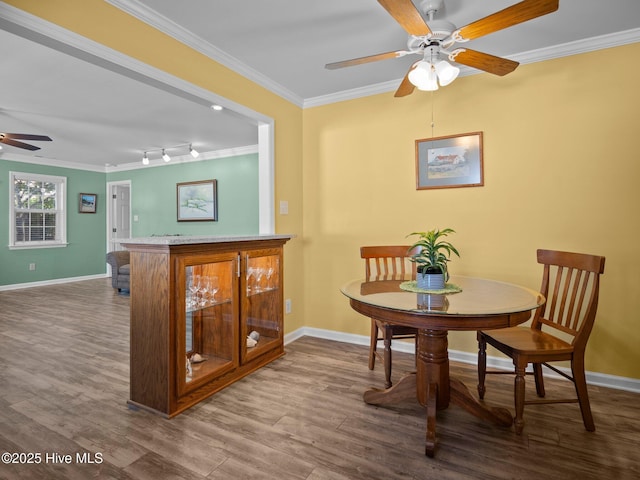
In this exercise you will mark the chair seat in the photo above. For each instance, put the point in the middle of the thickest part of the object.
(125, 269)
(527, 341)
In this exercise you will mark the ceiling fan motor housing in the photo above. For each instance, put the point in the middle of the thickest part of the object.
(440, 30)
(429, 6)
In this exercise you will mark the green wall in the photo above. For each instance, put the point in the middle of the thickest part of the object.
(153, 200)
(86, 233)
(153, 196)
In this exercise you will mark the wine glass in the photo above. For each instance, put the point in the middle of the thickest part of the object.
(214, 286)
(205, 288)
(193, 284)
(270, 286)
(250, 280)
(259, 273)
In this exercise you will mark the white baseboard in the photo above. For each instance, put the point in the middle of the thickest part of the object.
(55, 281)
(593, 378)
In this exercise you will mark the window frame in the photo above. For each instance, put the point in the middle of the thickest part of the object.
(60, 211)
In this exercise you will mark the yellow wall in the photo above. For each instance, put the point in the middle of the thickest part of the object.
(561, 172)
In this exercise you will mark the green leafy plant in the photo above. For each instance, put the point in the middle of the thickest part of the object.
(433, 252)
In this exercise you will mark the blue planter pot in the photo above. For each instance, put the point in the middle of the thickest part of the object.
(430, 281)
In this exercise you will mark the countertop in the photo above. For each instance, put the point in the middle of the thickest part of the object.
(196, 239)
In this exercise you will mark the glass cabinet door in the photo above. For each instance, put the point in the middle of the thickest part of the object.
(207, 327)
(261, 291)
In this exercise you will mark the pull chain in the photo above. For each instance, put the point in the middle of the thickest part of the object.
(432, 114)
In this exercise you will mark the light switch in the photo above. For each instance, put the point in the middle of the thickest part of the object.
(135, 218)
(284, 207)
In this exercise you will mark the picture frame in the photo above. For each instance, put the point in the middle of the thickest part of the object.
(87, 202)
(449, 162)
(197, 201)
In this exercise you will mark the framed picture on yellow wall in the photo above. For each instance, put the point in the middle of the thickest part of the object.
(449, 162)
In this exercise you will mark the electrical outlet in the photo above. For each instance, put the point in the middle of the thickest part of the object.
(287, 305)
(32, 267)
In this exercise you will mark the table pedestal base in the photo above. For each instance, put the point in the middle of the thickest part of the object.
(434, 389)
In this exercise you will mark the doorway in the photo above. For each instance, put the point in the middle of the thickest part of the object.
(118, 214)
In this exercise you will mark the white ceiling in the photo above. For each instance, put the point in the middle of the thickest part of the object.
(99, 117)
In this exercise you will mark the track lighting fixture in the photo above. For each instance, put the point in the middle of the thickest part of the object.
(165, 156)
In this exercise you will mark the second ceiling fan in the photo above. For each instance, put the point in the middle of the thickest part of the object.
(13, 139)
(435, 38)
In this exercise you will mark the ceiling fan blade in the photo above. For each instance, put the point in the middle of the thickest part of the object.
(406, 14)
(367, 59)
(483, 61)
(15, 143)
(513, 15)
(406, 87)
(26, 136)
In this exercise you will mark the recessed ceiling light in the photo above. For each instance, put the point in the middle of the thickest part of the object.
(217, 108)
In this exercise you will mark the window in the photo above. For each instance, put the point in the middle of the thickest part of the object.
(37, 214)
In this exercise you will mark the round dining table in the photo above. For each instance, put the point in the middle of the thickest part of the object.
(467, 303)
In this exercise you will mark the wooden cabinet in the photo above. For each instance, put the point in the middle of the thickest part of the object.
(203, 315)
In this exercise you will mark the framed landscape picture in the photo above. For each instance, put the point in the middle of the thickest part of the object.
(197, 201)
(87, 202)
(448, 162)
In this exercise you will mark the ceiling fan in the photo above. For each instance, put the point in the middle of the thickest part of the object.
(435, 38)
(12, 139)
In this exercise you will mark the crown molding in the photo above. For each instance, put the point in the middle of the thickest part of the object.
(580, 46)
(165, 25)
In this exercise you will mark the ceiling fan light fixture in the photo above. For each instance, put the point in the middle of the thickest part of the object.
(194, 153)
(446, 72)
(165, 156)
(424, 77)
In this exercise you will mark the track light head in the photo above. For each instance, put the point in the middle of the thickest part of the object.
(145, 159)
(194, 153)
(165, 156)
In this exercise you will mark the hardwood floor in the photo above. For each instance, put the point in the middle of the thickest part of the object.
(64, 376)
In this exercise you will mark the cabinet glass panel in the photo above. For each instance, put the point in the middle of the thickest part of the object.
(209, 320)
(262, 304)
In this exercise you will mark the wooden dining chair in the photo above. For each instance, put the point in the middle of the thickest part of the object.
(570, 283)
(389, 262)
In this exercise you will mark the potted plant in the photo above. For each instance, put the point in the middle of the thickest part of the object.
(431, 256)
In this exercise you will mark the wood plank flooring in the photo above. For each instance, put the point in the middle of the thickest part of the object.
(64, 381)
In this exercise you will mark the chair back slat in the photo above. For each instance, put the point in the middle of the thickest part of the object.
(572, 304)
(388, 262)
